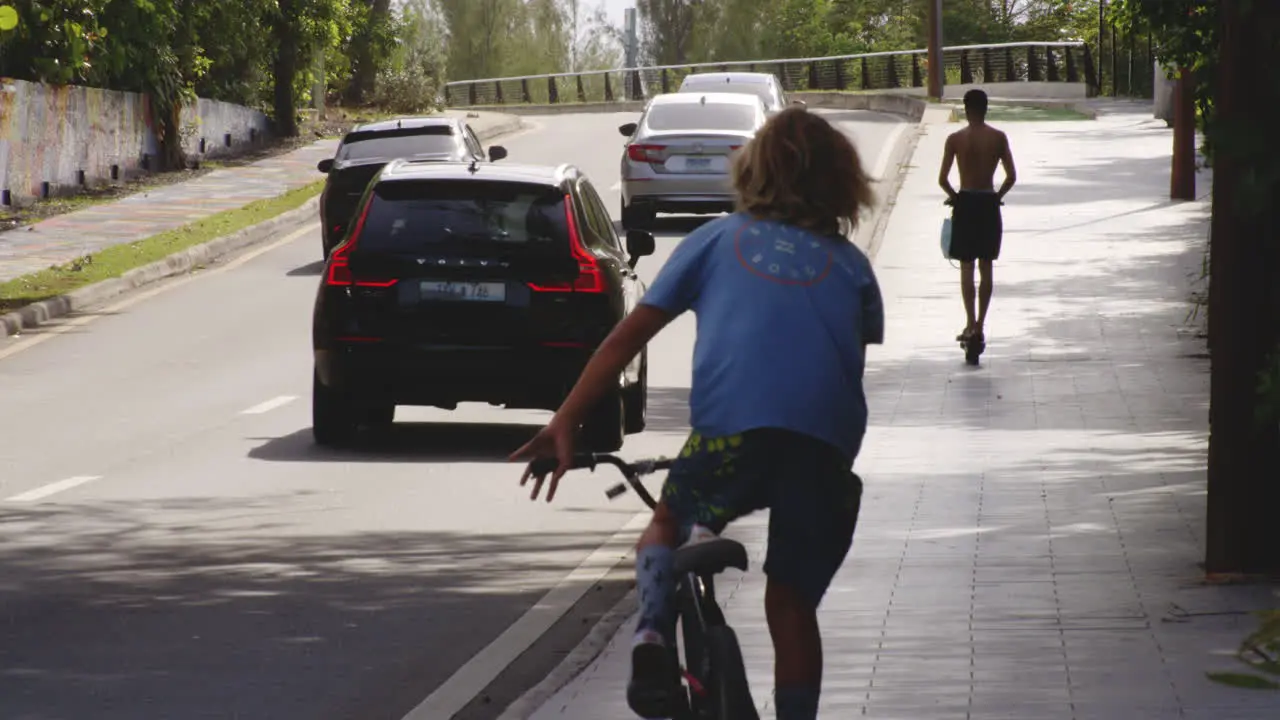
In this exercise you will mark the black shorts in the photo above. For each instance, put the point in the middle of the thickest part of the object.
(811, 492)
(977, 227)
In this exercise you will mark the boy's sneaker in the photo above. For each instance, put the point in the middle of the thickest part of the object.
(653, 691)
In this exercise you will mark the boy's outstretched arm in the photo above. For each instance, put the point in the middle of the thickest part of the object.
(601, 373)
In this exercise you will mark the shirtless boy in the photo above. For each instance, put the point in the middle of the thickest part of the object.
(976, 225)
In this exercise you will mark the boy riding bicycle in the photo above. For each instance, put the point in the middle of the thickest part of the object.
(786, 306)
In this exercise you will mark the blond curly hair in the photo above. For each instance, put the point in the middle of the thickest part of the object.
(802, 171)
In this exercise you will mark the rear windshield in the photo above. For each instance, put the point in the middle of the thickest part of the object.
(760, 90)
(712, 116)
(394, 144)
(425, 215)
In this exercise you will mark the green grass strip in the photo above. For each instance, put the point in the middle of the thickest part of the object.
(116, 260)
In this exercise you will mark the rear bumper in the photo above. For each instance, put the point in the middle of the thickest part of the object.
(684, 195)
(525, 377)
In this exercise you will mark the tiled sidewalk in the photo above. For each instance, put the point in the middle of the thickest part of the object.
(1031, 528)
(66, 237)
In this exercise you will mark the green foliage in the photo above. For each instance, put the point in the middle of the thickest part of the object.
(1187, 35)
(411, 79)
(1261, 652)
(675, 31)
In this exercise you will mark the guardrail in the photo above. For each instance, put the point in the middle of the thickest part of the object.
(1070, 62)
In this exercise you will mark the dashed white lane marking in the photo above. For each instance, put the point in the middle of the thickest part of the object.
(53, 488)
(268, 406)
(475, 676)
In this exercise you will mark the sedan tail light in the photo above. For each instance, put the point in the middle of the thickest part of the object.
(645, 153)
(339, 273)
(590, 278)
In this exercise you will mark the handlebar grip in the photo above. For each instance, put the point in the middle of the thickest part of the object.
(546, 466)
(613, 492)
(543, 466)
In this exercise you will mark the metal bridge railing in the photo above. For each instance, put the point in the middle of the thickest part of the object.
(962, 65)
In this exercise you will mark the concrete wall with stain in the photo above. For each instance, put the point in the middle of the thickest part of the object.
(68, 136)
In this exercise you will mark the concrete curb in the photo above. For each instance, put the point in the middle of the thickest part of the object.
(906, 105)
(179, 263)
(183, 261)
(870, 236)
(578, 660)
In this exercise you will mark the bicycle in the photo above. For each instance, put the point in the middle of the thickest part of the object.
(714, 678)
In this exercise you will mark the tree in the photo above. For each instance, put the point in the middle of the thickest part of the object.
(669, 28)
(298, 28)
(595, 43)
(371, 46)
(1244, 296)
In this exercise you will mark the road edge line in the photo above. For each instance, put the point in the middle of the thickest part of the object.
(575, 663)
(468, 681)
(182, 262)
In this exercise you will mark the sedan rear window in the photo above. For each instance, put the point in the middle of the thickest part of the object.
(696, 116)
(392, 144)
(412, 216)
(760, 90)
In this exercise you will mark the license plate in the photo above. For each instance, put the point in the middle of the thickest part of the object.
(697, 163)
(469, 291)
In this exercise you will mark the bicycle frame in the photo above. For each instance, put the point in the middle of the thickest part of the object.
(696, 606)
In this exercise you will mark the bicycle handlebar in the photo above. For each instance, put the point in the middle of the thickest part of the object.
(631, 471)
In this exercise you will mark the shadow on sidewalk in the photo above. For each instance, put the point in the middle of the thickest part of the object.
(116, 610)
(1124, 178)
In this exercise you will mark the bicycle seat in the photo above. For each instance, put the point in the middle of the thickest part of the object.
(711, 557)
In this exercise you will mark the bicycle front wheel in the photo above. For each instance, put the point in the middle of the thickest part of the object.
(727, 685)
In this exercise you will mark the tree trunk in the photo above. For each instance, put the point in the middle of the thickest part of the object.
(286, 70)
(366, 55)
(1244, 300)
(172, 156)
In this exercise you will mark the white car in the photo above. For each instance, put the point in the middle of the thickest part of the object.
(763, 85)
(677, 158)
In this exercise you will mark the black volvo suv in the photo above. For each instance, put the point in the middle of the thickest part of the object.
(367, 148)
(469, 282)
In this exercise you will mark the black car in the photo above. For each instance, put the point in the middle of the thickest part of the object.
(367, 148)
(463, 282)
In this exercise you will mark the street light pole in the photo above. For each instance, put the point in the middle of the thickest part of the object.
(935, 49)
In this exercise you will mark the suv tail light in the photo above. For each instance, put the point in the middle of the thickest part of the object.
(340, 260)
(590, 279)
(646, 153)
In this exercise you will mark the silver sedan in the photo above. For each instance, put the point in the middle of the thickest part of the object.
(677, 158)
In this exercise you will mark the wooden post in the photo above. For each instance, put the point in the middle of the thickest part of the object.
(935, 49)
(1182, 185)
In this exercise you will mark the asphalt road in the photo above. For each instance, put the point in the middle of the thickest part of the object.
(172, 545)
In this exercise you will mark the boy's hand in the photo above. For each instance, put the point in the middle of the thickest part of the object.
(553, 441)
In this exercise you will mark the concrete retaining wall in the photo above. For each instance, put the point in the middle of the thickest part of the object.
(1010, 90)
(908, 106)
(69, 136)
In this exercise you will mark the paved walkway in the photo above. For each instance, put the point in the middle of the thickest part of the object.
(66, 237)
(1031, 529)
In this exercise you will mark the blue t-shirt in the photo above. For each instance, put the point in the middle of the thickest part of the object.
(783, 316)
